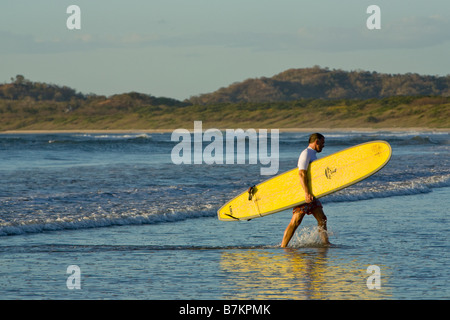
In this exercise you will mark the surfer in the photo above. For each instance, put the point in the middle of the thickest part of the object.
(312, 205)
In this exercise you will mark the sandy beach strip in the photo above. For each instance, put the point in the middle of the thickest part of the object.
(138, 131)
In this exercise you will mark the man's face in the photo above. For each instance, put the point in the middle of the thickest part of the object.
(320, 144)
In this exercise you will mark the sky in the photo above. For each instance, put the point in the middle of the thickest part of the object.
(183, 48)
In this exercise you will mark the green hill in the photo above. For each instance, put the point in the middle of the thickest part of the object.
(322, 83)
(27, 105)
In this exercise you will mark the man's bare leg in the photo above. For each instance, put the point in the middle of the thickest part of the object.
(290, 230)
(322, 224)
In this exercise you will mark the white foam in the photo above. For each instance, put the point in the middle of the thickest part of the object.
(115, 136)
(390, 189)
(307, 237)
(97, 221)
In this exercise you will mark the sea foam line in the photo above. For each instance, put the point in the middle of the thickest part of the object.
(390, 189)
(166, 214)
(94, 222)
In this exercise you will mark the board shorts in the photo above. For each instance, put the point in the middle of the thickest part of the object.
(307, 208)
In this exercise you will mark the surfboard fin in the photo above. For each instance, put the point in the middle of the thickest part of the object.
(231, 216)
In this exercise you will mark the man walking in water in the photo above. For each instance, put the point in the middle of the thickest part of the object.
(312, 205)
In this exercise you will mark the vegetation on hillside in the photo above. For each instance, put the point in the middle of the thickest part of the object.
(322, 83)
(26, 105)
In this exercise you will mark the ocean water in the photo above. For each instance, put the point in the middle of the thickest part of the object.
(138, 226)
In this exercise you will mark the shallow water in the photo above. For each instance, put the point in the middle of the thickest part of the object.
(140, 227)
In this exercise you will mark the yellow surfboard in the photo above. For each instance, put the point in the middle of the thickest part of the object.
(326, 175)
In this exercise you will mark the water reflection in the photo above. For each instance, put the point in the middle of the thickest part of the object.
(307, 273)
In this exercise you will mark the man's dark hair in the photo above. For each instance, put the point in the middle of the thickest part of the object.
(315, 136)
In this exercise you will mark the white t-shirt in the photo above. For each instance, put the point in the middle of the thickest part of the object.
(306, 157)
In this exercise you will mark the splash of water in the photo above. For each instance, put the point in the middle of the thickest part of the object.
(308, 237)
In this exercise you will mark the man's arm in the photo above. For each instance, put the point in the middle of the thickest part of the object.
(304, 182)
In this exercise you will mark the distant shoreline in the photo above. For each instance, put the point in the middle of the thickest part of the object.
(134, 131)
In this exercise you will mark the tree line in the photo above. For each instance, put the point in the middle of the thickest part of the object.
(323, 83)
